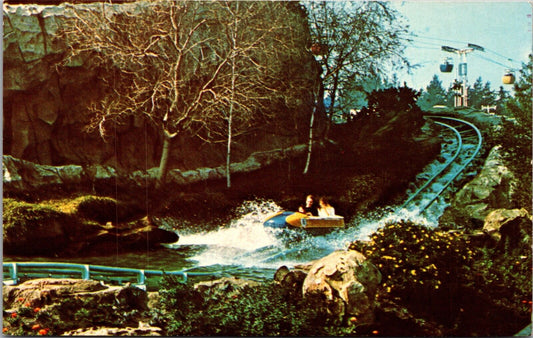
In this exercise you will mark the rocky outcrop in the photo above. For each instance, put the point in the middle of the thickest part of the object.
(58, 304)
(45, 106)
(349, 283)
(491, 189)
(142, 329)
(34, 229)
(508, 227)
(25, 176)
(227, 286)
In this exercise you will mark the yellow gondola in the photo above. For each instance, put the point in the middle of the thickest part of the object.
(508, 78)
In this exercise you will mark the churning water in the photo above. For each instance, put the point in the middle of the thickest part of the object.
(246, 248)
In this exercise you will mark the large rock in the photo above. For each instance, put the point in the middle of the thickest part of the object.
(45, 107)
(508, 227)
(47, 292)
(349, 283)
(491, 189)
(37, 229)
(61, 301)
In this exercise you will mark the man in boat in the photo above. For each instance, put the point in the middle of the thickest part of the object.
(310, 208)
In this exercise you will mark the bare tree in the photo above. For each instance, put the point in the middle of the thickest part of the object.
(175, 64)
(258, 38)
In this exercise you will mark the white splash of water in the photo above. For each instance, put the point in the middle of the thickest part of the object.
(232, 244)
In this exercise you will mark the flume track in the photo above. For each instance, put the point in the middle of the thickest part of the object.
(465, 141)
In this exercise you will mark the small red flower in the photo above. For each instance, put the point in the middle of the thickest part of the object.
(43, 332)
(20, 299)
(375, 332)
(36, 327)
(5, 329)
(37, 309)
(27, 304)
(14, 315)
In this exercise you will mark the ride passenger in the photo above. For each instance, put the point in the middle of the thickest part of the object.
(325, 209)
(310, 207)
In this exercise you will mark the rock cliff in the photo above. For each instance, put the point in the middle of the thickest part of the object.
(45, 106)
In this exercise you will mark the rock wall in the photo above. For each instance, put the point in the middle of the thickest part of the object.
(491, 189)
(45, 107)
(23, 176)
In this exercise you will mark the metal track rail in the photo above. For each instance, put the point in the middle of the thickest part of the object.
(467, 137)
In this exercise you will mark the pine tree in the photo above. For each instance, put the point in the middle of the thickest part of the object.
(433, 95)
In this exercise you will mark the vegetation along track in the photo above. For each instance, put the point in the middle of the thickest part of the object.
(465, 145)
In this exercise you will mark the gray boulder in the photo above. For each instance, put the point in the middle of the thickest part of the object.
(348, 282)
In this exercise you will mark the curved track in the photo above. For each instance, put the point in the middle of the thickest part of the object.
(464, 145)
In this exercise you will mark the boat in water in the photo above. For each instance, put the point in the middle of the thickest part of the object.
(298, 220)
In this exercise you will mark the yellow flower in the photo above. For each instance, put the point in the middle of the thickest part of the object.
(413, 272)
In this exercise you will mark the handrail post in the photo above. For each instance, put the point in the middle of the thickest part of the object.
(14, 273)
(141, 277)
(86, 272)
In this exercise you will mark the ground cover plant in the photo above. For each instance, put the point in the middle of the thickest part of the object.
(439, 282)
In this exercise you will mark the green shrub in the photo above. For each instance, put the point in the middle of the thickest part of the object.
(32, 228)
(97, 208)
(441, 278)
(266, 310)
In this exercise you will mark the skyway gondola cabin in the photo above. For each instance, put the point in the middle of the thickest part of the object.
(446, 66)
(508, 78)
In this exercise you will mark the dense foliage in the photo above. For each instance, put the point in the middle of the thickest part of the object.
(515, 135)
(440, 282)
(74, 313)
(266, 310)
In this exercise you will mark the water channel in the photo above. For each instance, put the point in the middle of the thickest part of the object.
(246, 249)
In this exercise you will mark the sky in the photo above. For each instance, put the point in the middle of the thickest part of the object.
(504, 29)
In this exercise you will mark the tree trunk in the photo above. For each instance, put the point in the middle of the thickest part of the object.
(163, 163)
(331, 110)
(228, 154)
(316, 92)
(310, 146)
(232, 97)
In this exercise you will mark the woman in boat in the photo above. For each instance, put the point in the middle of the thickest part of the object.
(325, 209)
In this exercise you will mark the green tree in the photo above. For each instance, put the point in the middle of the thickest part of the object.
(515, 134)
(480, 94)
(501, 99)
(361, 40)
(434, 94)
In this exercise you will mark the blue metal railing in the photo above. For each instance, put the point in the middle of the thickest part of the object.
(15, 270)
